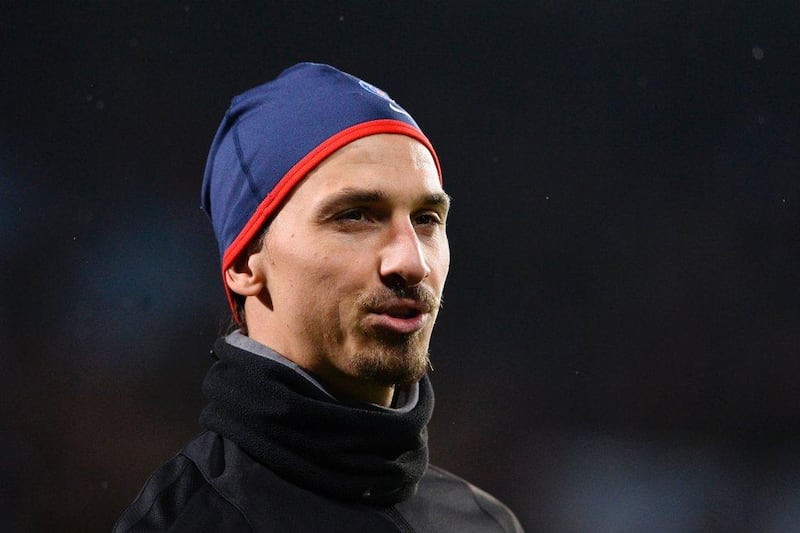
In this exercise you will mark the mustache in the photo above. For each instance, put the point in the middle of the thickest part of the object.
(420, 295)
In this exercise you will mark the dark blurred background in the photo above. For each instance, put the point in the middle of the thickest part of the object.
(620, 345)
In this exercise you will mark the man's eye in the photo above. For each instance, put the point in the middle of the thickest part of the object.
(352, 214)
(428, 218)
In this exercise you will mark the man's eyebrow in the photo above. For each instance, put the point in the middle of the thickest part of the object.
(350, 195)
(438, 199)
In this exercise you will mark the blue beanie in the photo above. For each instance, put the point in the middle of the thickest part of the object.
(273, 135)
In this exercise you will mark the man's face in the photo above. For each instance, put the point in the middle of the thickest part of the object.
(354, 265)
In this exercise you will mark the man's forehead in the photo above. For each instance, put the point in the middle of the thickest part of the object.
(374, 149)
(379, 165)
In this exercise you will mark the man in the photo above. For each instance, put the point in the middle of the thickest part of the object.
(327, 203)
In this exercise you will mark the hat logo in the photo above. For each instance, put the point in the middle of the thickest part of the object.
(382, 94)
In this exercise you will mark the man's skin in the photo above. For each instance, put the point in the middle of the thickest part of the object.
(349, 279)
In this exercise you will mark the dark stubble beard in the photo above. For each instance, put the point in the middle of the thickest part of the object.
(394, 359)
(399, 364)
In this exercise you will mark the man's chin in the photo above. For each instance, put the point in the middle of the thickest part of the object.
(392, 365)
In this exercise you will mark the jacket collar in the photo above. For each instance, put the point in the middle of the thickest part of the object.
(288, 422)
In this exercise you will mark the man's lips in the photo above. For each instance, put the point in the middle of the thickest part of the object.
(402, 308)
(400, 316)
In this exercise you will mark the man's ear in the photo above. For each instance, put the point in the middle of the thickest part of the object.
(246, 276)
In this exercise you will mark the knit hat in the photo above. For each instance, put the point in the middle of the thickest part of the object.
(273, 135)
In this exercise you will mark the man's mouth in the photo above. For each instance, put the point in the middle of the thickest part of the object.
(400, 316)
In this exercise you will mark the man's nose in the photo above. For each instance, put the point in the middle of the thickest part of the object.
(403, 257)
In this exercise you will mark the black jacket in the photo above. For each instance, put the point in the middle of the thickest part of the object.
(279, 454)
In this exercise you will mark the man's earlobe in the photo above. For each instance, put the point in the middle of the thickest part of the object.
(246, 277)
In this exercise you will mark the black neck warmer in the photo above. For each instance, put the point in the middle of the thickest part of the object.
(360, 453)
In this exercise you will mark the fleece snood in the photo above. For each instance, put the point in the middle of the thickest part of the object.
(357, 453)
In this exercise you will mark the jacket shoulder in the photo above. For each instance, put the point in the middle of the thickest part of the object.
(177, 497)
(446, 502)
